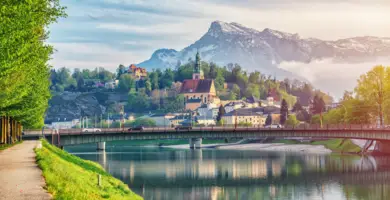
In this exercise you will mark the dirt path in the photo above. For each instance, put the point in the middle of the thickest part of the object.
(20, 177)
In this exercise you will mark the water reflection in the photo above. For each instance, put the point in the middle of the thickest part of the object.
(161, 174)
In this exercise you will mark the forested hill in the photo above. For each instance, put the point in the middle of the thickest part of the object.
(160, 89)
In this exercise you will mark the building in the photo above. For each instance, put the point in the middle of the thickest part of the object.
(162, 119)
(64, 123)
(244, 115)
(254, 116)
(234, 106)
(207, 121)
(198, 91)
(137, 72)
(111, 85)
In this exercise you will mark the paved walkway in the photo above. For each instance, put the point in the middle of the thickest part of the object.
(20, 177)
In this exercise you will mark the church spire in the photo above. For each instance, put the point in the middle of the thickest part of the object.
(197, 63)
(198, 72)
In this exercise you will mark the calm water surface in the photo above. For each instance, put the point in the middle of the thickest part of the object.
(179, 174)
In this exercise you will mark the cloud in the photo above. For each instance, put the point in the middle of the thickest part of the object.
(129, 31)
(72, 55)
(330, 76)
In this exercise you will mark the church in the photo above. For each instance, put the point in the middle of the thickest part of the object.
(198, 91)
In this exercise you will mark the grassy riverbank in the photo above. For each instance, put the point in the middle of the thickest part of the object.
(339, 145)
(6, 146)
(336, 145)
(70, 177)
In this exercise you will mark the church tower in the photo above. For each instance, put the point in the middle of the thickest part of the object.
(198, 72)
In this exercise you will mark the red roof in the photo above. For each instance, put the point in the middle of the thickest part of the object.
(196, 86)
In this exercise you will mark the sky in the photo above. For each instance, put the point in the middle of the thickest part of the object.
(106, 33)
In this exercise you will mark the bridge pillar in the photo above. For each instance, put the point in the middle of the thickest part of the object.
(195, 143)
(382, 146)
(101, 146)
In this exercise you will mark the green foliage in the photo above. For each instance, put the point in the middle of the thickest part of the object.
(24, 72)
(292, 120)
(268, 121)
(70, 177)
(221, 112)
(283, 112)
(126, 82)
(143, 122)
(373, 88)
(219, 81)
(138, 102)
(339, 145)
(220, 122)
(290, 99)
(246, 124)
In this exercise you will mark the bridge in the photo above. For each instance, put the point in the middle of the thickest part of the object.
(65, 137)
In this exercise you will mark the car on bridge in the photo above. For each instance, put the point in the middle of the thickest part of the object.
(183, 127)
(274, 126)
(136, 128)
(92, 130)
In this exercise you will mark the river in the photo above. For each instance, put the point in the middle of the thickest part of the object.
(211, 174)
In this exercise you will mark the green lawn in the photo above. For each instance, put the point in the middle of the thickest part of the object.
(6, 146)
(337, 145)
(70, 177)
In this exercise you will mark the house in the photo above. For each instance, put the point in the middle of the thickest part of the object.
(179, 119)
(270, 102)
(234, 106)
(253, 102)
(110, 85)
(64, 123)
(198, 91)
(207, 121)
(205, 109)
(255, 116)
(244, 115)
(137, 72)
(162, 119)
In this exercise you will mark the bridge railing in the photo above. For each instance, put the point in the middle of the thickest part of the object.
(230, 127)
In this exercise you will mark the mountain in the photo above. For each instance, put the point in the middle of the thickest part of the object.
(263, 50)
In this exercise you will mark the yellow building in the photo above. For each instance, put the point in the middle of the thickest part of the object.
(198, 91)
(137, 72)
(244, 116)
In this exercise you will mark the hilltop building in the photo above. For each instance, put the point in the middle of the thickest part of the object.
(137, 72)
(198, 91)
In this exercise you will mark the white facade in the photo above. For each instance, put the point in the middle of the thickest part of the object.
(65, 124)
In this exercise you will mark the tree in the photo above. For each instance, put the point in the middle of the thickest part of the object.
(283, 112)
(292, 120)
(167, 79)
(232, 96)
(148, 87)
(268, 121)
(153, 77)
(236, 91)
(254, 77)
(126, 82)
(143, 122)
(221, 112)
(24, 56)
(121, 70)
(219, 82)
(373, 88)
(297, 107)
(213, 71)
(138, 102)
